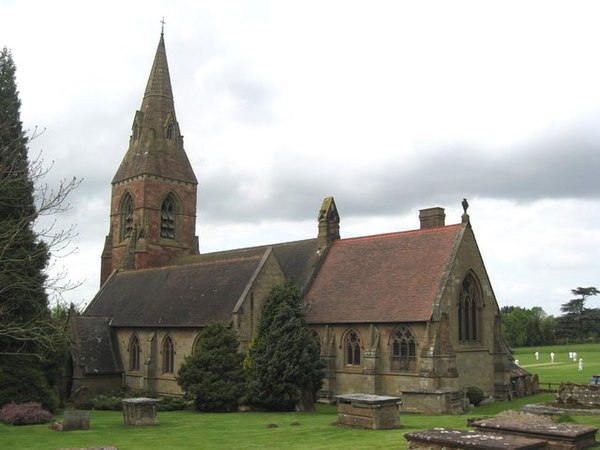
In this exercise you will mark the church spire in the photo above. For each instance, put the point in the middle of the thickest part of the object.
(153, 200)
(156, 145)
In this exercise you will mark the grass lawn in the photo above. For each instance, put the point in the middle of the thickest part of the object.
(562, 369)
(191, 430)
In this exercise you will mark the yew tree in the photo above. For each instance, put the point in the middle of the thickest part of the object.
(214, 376)
(285, 366)
(29, 337)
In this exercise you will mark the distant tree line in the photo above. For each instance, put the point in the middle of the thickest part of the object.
(528, 327)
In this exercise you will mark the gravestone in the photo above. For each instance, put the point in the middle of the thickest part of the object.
(377, 412)
(450, 439)
(75, 420)
(140, 411)
(560, 436)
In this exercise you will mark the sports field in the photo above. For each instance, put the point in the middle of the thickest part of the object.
(562, 369)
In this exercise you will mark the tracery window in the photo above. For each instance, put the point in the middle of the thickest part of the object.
(134, 354)
(126, 216)
(167, 218)
(404, 349)
(168, 355)
(469, 303)
(352, 348)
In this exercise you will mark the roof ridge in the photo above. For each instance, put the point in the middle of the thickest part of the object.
(398, 233)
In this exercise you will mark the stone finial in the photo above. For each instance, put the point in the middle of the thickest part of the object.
(465, 216)
(329, 223)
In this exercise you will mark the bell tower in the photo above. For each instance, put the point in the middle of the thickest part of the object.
(153, 199)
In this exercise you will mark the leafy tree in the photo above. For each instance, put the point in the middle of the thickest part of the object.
(524, 327)
(579, 322)
(30, 339)
(286, 370)
(213, 376)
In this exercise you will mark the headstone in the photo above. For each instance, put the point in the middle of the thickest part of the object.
(75, 420)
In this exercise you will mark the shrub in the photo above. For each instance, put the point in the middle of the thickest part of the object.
(24, 414)
(23, 381)
(475, 395)
(107, 402)
(172, 404)
(213, 376)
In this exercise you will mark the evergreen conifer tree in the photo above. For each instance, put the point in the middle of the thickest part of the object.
(24, 313)
(285, 366)
(213, 376)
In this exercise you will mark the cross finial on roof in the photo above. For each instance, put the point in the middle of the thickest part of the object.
(162, 28)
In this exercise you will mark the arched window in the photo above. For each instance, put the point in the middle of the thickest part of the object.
(134, 354)
(404, 349)
(469, 303)
(167, 218)
(126, 216)
(352, 348)
(170, 130)
(168, 356)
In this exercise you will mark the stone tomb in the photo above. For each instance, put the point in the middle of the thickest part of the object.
(376, 412)
(450, 439)
(560, 436)
(140, 411)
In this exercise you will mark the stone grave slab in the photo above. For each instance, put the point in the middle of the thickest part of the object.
(451, 439)
(376, 412)
(560, 436)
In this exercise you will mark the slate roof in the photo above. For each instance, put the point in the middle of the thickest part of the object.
(383, 278)
(188, 295)
(196, 289)
(151, 153)
(297, 258)
(95, 346)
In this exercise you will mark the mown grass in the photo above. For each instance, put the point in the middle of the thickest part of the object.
(192, 430)
(250, 430)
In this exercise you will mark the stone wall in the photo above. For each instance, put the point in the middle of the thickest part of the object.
(583, 394)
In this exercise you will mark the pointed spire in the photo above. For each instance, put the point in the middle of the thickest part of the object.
(159, 82)
(156, 144)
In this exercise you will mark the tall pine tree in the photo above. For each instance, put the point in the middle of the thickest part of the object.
(286, 370)
(26, 328)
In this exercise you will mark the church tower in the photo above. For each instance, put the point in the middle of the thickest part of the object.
(153, 200)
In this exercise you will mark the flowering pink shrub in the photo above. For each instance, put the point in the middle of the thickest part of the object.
(24, 414)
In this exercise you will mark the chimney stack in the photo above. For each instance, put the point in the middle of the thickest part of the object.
(432, 217)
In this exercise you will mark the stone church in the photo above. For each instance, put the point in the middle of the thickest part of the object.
(410, 313)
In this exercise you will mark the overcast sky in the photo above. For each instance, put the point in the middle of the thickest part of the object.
(388, 106)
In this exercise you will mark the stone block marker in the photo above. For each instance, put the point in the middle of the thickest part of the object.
(75, 420)
(140, 411)
(560, 436)
(450, 439)
(376, 412)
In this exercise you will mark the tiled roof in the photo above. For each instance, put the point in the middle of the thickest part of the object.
(178, 296)
(383, 278)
